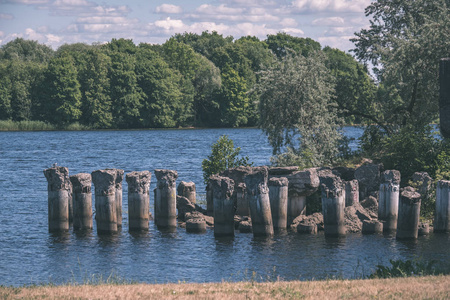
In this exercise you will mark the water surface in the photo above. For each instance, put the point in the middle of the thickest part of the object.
(29, 254)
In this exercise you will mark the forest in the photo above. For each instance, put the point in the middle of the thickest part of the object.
(192, 80)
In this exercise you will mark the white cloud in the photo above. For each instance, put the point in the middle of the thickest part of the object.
(340, 31)
(28, 2)
(169, 24)
(168, 9)
(330, 5)
(293, 31)
(2, 34)
(343, 43)
(218, 10)
(288, 22)
(66, 3)
(6, 16)
(331, 21)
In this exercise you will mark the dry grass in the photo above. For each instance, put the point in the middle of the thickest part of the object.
(430, 287)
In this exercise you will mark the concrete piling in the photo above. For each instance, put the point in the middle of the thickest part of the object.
(166, 199)
(408, 214)
(301, 184)
(187, 189)
(59, 193)
(119, 196)
(242, 208)
(105, 200)
(258, 195)
(442, 216)
(222, 191)
(444, 96)
(333, 204)
(389, 199)
(138, 200)
(351, 192)
(278, 195)
(82, 201)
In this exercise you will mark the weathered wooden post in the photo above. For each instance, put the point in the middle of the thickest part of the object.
(259, 202)
(138, 200)
(105, 200)
(333, 204)
(166, 199)
(119, 195)
(389, 199)
(82, 201)
(351, 192)
(59, 193)
(278, 196)
(222, 190)
(442, 217)
(187, 189)
(408, 214)
(444, 96)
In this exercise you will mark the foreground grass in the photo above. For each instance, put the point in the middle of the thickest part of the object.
(428, 287)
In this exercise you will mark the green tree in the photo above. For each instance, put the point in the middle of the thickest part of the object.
(61, 96)
(233, 98)
(281, 43)
(297, 111)
(405, 42)
(160, 84)
(206, 43)
(26, 50)
(223, 156)
(126, 95)
(95, 85)
(355, 90)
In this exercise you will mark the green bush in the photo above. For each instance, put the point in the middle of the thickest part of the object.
(407, 268)
(223, 156)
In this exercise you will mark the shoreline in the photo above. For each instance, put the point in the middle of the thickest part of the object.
(430, 287)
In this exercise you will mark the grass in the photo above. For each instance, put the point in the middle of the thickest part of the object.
(427, 287)
(8, 125)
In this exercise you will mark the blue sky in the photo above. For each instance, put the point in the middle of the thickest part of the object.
(56, 22)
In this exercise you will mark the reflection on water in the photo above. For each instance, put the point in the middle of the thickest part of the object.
(29, 254)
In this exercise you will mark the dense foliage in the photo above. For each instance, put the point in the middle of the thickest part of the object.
(190, 80)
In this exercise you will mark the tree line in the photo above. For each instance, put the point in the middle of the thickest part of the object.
(201, 80)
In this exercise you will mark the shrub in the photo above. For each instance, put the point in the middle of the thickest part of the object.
(223, 156)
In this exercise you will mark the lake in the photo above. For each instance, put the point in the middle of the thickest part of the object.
(30, 255)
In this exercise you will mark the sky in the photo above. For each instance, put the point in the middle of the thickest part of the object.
(58, 22)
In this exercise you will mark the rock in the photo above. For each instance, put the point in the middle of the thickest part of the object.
(347, 174)
(368, 176)
(187, 189)
(391, 176)
(184, 206)
(355, 216)
(307, 228)
(245, 227)
(197, 225)
(282, 171)
(370, 204)
(197, 215)
(372, 226)
(314, 219)
(424, 229)
(304, 182)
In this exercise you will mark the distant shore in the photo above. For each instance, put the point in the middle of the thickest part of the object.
(427, 287)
